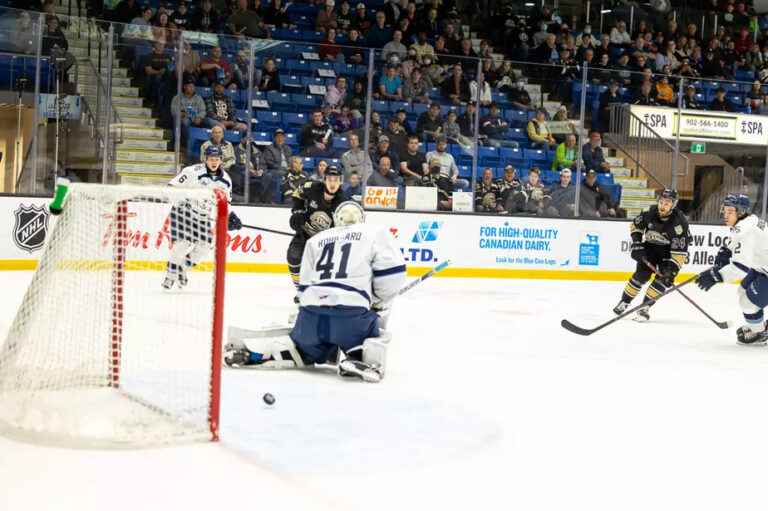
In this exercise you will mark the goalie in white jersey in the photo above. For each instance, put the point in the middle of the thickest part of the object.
(191, 220)
(744, 256)
(350, 275)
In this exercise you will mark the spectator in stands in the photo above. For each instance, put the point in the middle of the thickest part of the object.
(163, 31)
(645, 96)
(188, 108)
(413, 163)
(356, 99)
(762, 109)
(353, 188)
(690, 101)
(207, 18)
(612, 96)
(620, 36)
(483, 94)
(376, 129)
(566, 154)
(456, 88)
(600, 201)
(494, 128)
(190, 63)
(360, 20)
(422, 47)
(448, 168)
(385, 175)
(277, 156)
(712, 66)
(511, 195)
(520, 98)
(755, 92)
(604, 48)
(487, 194)
(603, 73)
(538, 131)
(355, 159)
(592, 153)
(352, 50)
(246, 22)
(408, 30)
(268, 78)
(563, 196)
(430, 122)
(220, 111)
(329, 49)
(316, 136)
(402, 117)
(343, 120)
(295, 179)
(55, 45)
(398, 138)
(538, 195)
(622, 72)
(260, 181)
(665, 96)
(384, 148)
(720, 102)
(277, 16)
(326, 17)
(344, 17)
(391, 84)
(434, 72)
(395, 47)
(126, 11)
(336, 94)
(467, 120)
(155, 68)
(687, 70)
(380, 33)
(452, 131)
(319, 173)
(216, 69)
(217, 139)
(416, 87)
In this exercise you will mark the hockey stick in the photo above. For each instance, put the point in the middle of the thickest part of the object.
(440, 267)
(720, 324)
(268, 230)
(589, 331)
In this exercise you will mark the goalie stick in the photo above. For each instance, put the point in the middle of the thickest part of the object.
(440, 267)
(256, 227)
(589, 331)
(720, 324)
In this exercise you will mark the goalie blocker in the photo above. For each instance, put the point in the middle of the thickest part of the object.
(350, 274)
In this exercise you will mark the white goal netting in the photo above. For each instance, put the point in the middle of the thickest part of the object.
(99, 352)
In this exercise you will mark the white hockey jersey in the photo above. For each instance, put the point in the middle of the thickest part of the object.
(749, 246)
(355, 265)
(198, 176)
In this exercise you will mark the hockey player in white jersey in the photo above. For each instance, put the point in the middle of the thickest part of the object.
(191, 221)
(745, 256)
(350, 275)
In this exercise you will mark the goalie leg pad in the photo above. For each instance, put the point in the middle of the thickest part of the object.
(179, 252)
(375, 351)
(274, 352)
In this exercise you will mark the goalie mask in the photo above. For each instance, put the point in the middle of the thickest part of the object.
(348, 213)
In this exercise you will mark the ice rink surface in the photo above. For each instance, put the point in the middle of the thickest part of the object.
(488, 404)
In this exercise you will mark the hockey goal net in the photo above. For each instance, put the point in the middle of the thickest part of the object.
(98, 352)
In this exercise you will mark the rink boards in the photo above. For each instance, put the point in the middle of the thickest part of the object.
(478, 246)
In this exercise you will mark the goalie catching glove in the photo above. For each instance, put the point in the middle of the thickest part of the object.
(233, 222)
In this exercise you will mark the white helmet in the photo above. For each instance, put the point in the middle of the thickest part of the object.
(348, 213)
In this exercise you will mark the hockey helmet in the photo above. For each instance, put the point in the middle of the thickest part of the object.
(348, 213)
(670, 194)
(332, 170)
(738, 201)
(213, 150)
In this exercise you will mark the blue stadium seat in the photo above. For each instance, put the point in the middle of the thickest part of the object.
(535, 155)
(295, 119)
(269, 119)
(340, 143)
(306, 101)
(420, 108)
(310, 163)
(261, 136)
(511, 153)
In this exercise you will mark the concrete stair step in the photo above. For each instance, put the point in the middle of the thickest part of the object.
(85, 70)
(132, 131)
(633, 212)
(82, 51)
(621, 171)
(638, 193)
(627, 203)
(631, 182)
(133, 110)
(614, 161)
(145, 121)
(119, 91)
(127, 101)
(143, 143)
(144, 155)
(145, 167)
(127, 178)
(90, 79)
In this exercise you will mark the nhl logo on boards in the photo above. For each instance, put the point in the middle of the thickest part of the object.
(31, 227)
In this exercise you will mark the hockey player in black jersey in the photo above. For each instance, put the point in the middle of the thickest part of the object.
(312, 212)
(660, 236)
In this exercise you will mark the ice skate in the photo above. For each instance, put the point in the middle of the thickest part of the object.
(181, 277)
(358, 369)
(621, 307)
(746, 336)
(236, 355)
(170, 279)
(642, 315)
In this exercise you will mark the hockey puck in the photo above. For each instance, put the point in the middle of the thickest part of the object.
(269, 399)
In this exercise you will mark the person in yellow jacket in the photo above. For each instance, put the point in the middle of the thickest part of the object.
(538, 131)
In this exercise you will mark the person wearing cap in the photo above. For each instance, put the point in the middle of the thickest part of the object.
(690, 101)
(220, 111)
(402, 118)
(467, 120)
(390, 84)
(448, 167)
(599, 202)
(538, 131)
(487, 194)
(260, 180)
(326, 17)
(277, 155)
(537, 193)
(360, 19)
(355, 159)
(316, 136)
(612, 96)
(226, 148)
(188, 108)
(592, 153)
(207, 18)
(430, 122)
(397, 135)
(513, 199)
(384, 148)
(494, 128)
(720, 102)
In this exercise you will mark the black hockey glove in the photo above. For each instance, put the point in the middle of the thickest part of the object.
(233, 222)
(708, 278)
(723, 257)
(638, 251)
(297, 221)
(668, 269)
